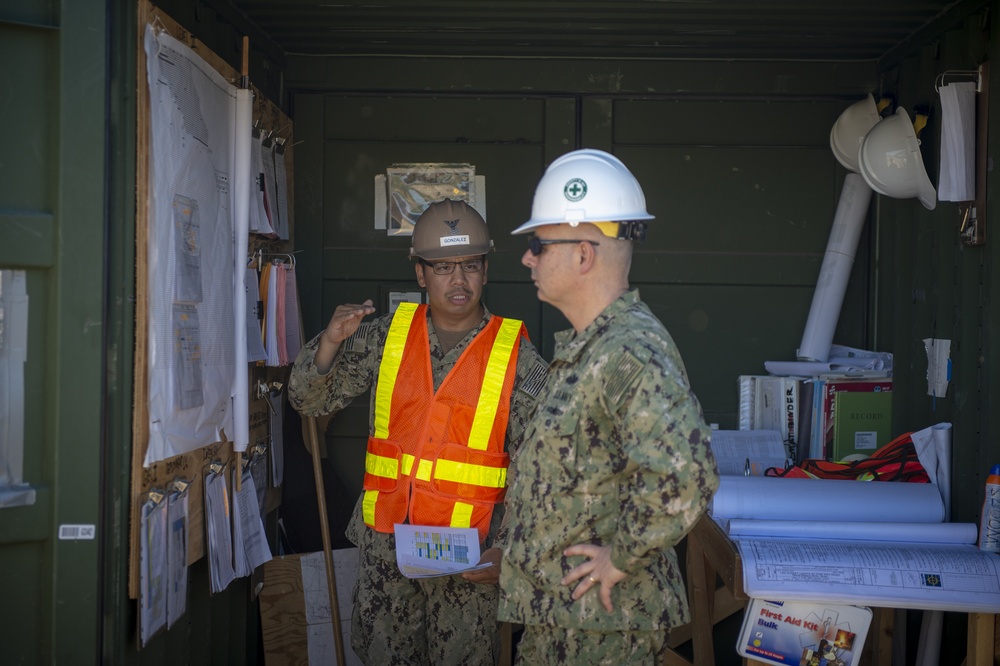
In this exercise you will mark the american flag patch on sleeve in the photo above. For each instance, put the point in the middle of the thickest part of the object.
(358, 342)
(534, 381)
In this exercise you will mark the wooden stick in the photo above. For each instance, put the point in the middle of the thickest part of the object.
(324, 528)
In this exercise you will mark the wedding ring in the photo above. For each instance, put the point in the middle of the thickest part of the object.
(592, 579)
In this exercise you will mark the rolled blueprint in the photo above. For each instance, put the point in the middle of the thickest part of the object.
(841, 247)
(241, 229)
(773, 498)
(855, 531)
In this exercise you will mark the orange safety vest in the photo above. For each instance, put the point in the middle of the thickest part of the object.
(437, 457)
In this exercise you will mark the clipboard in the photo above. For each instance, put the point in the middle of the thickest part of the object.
(803, 633)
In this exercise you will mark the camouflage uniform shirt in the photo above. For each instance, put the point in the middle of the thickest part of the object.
(355, 370)
(616, 455)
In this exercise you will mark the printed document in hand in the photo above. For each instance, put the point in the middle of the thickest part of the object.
(424, 551)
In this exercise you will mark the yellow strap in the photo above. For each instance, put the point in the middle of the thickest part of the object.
(384, 466)
(392, 358)
(489, 396)
(461, 515)
(479, 475)
(424, 470)
(368, 506)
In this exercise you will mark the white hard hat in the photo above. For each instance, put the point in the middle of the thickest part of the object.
(589, 186)
(890, 161)
(850, 129)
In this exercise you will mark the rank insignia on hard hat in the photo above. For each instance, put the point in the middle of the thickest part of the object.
(465, 234)
(575, 189)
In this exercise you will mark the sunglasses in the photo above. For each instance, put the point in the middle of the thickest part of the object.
(536, 244)
(448, 267)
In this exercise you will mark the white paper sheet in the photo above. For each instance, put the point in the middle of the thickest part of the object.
(177, 513)
(192, 111)
(957, 177)
(250, 549)
(933, 447)
(220, 538)
(887, 575)
(424, 551)
(153, 568)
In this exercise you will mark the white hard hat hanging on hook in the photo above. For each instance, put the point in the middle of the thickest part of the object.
(890, 162)
(850, 129)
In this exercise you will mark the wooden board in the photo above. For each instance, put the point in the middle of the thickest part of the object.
(190, 465)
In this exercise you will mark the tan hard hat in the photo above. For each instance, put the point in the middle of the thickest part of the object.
(449, 228)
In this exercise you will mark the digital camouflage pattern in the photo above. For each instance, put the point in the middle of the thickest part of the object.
(616, 455)
(429, 621)
(389, 609)
(555, 645)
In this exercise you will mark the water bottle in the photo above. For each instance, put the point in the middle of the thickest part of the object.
(989, 525)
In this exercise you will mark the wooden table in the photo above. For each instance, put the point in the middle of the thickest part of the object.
(710, 553)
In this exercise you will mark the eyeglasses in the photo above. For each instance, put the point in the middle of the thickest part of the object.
(448, 267)
(536, 244)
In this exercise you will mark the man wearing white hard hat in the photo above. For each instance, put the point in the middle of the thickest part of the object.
(615, 466)
(452, 387)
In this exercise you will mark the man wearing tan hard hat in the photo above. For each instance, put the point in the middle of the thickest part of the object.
(452, 387)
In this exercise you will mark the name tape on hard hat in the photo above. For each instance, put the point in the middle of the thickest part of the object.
(454, 240)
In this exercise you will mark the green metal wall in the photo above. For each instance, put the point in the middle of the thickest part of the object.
(743, 184)
(52, 226)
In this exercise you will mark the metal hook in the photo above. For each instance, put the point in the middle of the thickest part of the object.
(940, 80)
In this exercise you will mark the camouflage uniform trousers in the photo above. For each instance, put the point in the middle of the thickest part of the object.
(444, 621)
(557, 645)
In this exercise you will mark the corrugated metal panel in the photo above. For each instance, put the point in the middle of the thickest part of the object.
(785, 30)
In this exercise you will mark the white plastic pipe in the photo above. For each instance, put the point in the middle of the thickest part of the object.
(836, 270)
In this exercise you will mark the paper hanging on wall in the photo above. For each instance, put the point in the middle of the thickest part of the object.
(957, 178)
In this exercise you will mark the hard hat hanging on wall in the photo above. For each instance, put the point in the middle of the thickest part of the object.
(850, 129)
(890, 162)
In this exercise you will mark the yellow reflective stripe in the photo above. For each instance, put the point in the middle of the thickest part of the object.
(478, 475)
(392, 358)
(377, 465)
(489, 396)
(424, 470)
(407, 463)
(368, 506)
(461, 515)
